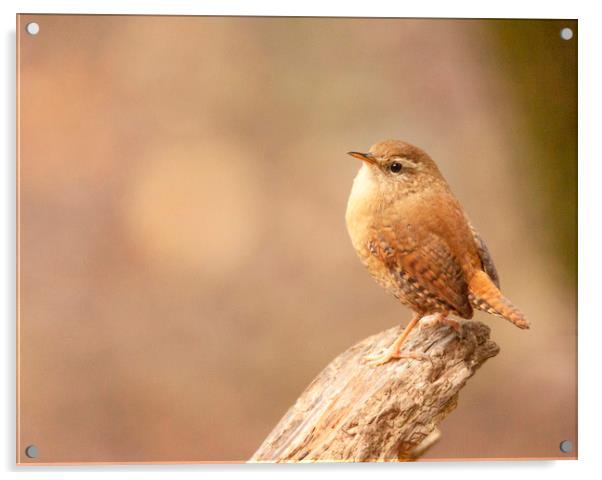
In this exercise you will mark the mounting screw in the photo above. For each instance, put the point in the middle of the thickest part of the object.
(31, 451)
(32, 28)
(566, 446)
(566, 33)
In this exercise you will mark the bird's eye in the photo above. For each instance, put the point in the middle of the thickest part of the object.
(395, 167)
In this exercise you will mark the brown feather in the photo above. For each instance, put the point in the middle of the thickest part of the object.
(486, 260)
(484, 295)
(428, 275)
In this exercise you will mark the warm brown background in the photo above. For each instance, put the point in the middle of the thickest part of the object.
(184, 265)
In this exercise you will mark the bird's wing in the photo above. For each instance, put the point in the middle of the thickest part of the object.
(427, 266)
(486, 260)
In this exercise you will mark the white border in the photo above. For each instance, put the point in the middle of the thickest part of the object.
(590, 239)
(373, 8)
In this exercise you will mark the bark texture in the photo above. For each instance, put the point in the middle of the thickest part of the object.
(357, 412)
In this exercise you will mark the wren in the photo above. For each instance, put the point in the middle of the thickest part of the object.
(415, 239)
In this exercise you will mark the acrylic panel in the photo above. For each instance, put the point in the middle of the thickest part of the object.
(185, 266)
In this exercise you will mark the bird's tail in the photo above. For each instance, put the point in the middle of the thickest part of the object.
(484, 295)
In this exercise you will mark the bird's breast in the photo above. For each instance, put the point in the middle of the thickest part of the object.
(361, 207)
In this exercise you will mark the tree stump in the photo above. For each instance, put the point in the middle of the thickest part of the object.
(356, 412)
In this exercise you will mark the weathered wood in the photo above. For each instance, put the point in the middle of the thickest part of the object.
(353, 411)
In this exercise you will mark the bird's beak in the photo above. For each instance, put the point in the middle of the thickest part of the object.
(364, 157)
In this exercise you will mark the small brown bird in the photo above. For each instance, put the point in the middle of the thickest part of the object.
(411, 233)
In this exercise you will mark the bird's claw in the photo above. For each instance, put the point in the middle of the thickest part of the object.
(433, 320)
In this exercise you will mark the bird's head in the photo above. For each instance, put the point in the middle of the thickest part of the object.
(399, 166)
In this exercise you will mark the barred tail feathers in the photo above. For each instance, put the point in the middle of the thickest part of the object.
(484, 295)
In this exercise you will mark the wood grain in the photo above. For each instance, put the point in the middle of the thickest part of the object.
(357, 412)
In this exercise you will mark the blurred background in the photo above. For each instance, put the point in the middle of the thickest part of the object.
(185, 269)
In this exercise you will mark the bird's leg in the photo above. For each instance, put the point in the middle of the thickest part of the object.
(393, 351)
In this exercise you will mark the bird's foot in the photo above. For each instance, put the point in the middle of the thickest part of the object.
(390, 354)
(440, 319)
(429, 321)
(454, 324)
